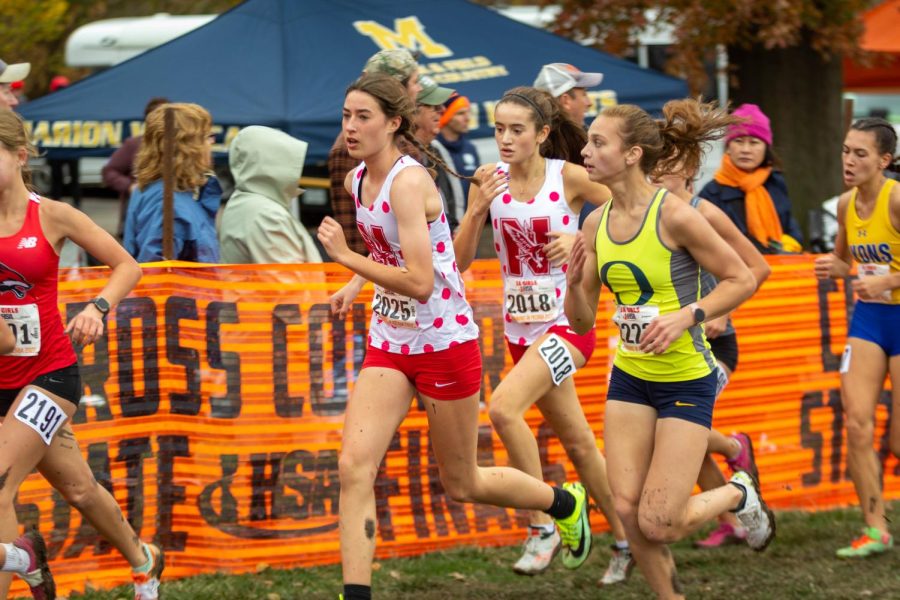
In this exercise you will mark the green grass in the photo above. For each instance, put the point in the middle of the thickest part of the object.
(800, 563)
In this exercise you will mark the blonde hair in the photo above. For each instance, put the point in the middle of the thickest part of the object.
(676, 142)
(191, 161)
(13, 136)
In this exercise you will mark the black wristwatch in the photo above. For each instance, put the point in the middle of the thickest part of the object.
(101, 304)
(698, 313)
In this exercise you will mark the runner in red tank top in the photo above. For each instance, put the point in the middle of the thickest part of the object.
(40, 385)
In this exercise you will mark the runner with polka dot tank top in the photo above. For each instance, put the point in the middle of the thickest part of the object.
(401, 324)
(534, 198)
(423, 340)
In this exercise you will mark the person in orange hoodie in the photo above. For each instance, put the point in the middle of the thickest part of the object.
(750, 188)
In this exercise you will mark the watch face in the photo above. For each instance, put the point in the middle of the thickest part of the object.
(101, 304)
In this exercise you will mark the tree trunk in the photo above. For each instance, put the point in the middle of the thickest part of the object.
(800, 92)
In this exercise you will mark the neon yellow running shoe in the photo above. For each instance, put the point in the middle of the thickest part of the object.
(575, 529)
(870, 542)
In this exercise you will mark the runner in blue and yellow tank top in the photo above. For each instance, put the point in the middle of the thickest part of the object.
(869, 234)
(648, 251)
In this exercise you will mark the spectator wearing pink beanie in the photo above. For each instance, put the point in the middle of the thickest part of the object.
(750, 188)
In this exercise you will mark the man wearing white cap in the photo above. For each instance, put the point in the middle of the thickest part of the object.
(568, 84)
(9, 74)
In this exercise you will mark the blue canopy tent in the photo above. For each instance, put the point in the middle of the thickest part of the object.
(286, 64)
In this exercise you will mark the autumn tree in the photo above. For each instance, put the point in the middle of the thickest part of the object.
(784, 55)
(35, 31)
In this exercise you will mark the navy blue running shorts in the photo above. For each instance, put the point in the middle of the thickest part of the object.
(691, 400)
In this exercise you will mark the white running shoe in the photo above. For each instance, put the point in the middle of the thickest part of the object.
(146, 584)
(620, 567)
(540, 548)
(756, 517)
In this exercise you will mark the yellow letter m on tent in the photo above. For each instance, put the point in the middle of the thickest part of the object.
(408, 33)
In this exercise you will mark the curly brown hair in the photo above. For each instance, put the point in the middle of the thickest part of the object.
(193, 125)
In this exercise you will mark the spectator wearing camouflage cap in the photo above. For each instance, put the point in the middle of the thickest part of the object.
(9, 74)
(400, 64)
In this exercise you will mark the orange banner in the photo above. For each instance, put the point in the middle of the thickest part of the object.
(213, 412)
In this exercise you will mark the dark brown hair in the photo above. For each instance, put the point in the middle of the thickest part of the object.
(394, 101)
(566, 138)
(677, 141)
(885, 137)
(153, 104)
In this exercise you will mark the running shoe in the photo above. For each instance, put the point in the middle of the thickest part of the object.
(872, 541)
(744, 461)
(540, 548)
(575, 529)
(620, 567)
(755, 516)
(725, 534)
(38, 577)
(146, 584)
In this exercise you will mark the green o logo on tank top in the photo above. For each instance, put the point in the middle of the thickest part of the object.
(642, 282)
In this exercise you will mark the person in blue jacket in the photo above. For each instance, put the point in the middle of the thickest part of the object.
(750, 188)
(197, 192)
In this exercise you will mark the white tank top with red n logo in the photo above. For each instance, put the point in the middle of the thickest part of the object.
(533, 289)
(401, 324)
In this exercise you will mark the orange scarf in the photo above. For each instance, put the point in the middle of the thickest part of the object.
(762, 220)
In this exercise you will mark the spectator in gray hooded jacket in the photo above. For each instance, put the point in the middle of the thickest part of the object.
(257, 225)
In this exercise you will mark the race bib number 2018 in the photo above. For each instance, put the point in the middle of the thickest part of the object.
(558, 358)
(531, 300)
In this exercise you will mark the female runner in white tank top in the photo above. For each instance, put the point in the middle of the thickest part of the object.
(422, 338)
(534, 198)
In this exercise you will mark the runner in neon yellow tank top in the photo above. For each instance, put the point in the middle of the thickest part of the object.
(648, 251)
(648, 280)
(869, 233)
